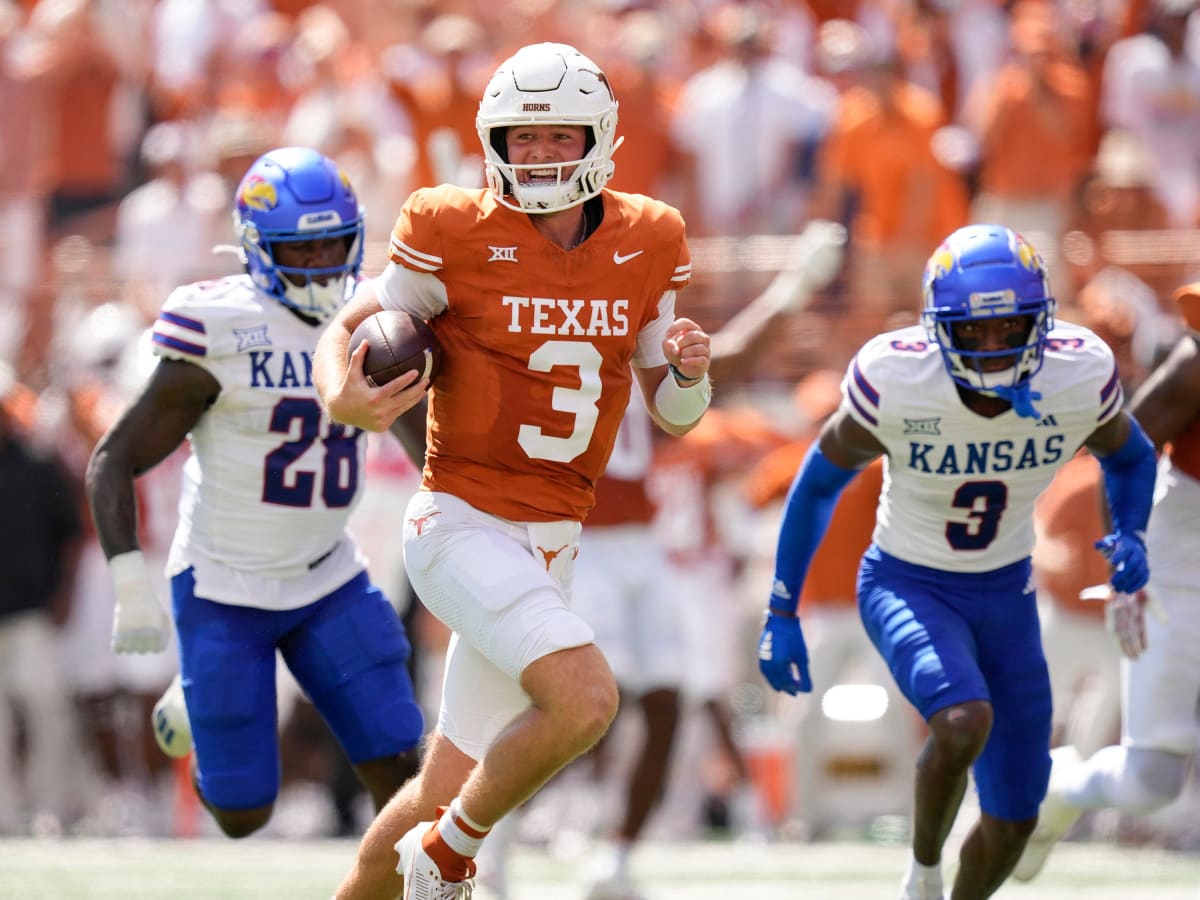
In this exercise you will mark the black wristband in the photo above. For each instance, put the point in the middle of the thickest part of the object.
(786, 613)
(679, 376)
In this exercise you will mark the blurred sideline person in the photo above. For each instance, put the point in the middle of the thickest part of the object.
(110, 357)
(262, 560)
(622, 590)
(522, 420)
(834, 631)
(973, 413)
(40, 536)
(1084, 663)
(674, 643)
(1161, 684)
(699, 523)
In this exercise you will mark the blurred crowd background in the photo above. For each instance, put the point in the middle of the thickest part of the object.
(126, 124)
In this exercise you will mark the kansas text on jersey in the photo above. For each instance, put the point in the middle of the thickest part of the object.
(959, 488)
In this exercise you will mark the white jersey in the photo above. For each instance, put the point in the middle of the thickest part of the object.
(271, 481)
(959, 488)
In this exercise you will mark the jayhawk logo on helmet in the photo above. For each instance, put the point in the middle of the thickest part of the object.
(1028, 257)
(260, 194)
(940, 264)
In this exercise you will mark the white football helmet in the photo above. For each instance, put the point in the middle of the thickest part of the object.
(548, 84)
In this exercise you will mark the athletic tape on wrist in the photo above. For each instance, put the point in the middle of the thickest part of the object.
(682, 405)
(128, 568)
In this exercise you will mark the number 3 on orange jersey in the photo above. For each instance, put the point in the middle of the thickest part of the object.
(581, 402)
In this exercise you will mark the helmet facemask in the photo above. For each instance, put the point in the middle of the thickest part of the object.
(310, 297)
(968, 367)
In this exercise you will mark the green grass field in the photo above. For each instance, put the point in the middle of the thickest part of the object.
(268, 869)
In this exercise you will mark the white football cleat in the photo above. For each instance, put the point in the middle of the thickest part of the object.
(928, 887)
(422, 878)
(1055, 817)
(172, 729)
(607, 878)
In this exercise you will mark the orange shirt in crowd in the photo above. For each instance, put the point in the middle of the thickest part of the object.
(85, 162)
(647, 156)
(1037, 146)
(439, 104)
(887, 159)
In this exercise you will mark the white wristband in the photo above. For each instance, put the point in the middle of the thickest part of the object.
(682, 405)
(128, 568)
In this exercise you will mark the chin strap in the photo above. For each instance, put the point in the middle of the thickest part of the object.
(1021, 398)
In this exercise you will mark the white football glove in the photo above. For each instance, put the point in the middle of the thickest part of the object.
(140, 623)
(813, 261)
(1124, 616)
(820, 251)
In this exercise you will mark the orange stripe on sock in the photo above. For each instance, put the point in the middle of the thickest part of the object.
(468, 830)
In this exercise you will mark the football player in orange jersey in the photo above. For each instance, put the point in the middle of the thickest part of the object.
(543, 290)
(1160, 685)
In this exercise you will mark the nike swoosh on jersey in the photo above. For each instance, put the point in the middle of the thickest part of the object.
(619, 259)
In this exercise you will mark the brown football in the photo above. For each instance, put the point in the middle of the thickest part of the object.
(396, 343)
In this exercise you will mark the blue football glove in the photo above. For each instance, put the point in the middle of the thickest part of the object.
(1126, 554)
(782, 656)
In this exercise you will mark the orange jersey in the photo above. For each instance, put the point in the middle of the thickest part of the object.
(537, 342)
(621, 495)
(722, 445)
(1185, 450)
(833, 574)
(620, 501)
(1185, 446)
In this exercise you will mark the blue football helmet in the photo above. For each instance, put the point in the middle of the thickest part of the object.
(296, 194)
(987, 272)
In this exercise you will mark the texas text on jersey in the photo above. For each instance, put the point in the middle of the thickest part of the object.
(496, 415)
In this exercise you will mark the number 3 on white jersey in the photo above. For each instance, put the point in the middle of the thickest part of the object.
(579, 402)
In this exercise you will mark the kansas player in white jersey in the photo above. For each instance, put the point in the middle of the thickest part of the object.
(261, 559)
(973, 413)
(960, 486)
